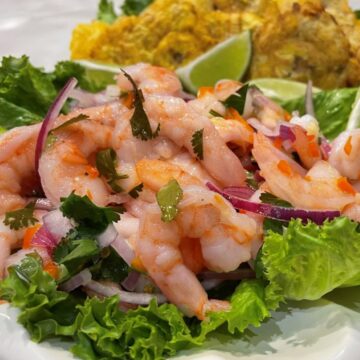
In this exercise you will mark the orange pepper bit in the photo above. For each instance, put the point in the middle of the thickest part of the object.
(128, 99)
(92, 171)
(29, 234)
(284, 167)
(348, 146)
(344, 185)
(204, 90)
(52, 269)
(138, 265)
(313, 149)
(233, 114)
(75, 157)
(278, 143)
(287, 116)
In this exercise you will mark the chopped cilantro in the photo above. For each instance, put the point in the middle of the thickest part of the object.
(73, 120)
(21, 218)
(134, 192)
(274, 200)
(237, 100)
(215, 113)
(139, 121)
(197, 143)
(106, 164)
(91, 219)
(106, 11)
(250, 180)
(168, 197)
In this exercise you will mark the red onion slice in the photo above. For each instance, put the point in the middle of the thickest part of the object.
(51, 117)
(57, 224)
(277, 212)
(44, 204)
(107, 237)
(44, 239)
(325, 148)
(125, 296)
(131, 281)
(242, 192)
(286, 133)
(81, 279)
(121, 246)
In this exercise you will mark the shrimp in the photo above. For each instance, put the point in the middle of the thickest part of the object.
(320, 188)
(344, 155)
(67, 164)
(17, 167)
(151, 80)
(179, 122)
(203, 215)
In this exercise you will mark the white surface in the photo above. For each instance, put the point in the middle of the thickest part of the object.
(319, 331)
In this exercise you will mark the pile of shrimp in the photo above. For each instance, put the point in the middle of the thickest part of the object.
(208, 233)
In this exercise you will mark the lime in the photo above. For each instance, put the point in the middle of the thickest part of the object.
(354, 119)
(99, 73)
(281, 89)
(227, 60)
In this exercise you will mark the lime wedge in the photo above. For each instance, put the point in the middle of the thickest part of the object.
(227, 60)
(99, 73)
(281, 89)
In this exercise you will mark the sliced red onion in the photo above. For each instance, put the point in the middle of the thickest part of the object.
(186, 96)
(131, 281)
(121, 246)
(44, 204)
(57, 224)
(51, 117)
(107, 237)
(243, 192)
(258, 126)
(125, 296)
(238, 274)
(286, 133)
(86, 99)
(309, 104)
(325, 148)
(277, 212)
(81, 279)
(44, 239)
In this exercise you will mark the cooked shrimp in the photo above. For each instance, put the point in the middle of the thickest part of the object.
(17, 167)
(179, 122)
(321, 187)
(203, 215)
(344, 155)
(151, 80)
(67, 164)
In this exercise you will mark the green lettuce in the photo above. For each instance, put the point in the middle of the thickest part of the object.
(26, 92)
(332, 109)
(308, 261)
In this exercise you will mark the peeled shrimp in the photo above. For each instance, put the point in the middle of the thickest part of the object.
(179, 122)
(68, 164)
(151, 80)
(344, 155)
(319, 188)
(225, 238)
(17, 167)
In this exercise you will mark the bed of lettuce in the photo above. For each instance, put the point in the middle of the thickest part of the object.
(297, 261)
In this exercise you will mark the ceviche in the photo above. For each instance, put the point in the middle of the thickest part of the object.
(143, 218)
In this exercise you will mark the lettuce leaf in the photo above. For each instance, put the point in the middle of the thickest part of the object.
(332, 109)
(26, 92)
(308, 261)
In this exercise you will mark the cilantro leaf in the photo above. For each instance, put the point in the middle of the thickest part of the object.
(134, 192)
(274, 200)
(106, 164)
(168, 197)
(91, 219)
(21, 218)
(215, 113)
(139, 121)
(250, 180)
(73, 120)
(106, 12)
(197, 144)
(237, 100)
(135, 7)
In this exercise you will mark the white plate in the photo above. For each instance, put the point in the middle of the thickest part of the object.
(321, 330)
